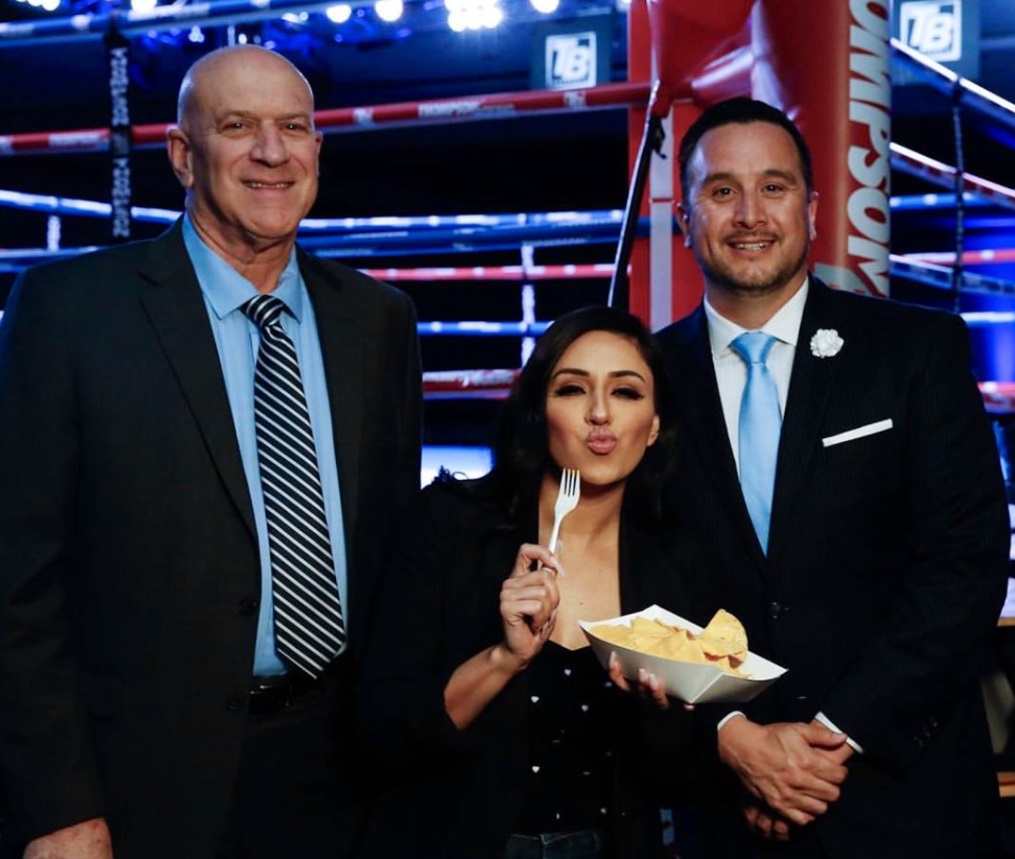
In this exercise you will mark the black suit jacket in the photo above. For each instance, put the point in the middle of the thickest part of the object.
(888, 556)
(129, 574)
(462, 790)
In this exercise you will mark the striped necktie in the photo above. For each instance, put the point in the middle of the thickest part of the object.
(760, 427)
(309, 628)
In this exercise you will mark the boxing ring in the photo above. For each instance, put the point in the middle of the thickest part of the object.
(681, 58)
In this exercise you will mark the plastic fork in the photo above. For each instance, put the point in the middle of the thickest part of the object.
(567, 500)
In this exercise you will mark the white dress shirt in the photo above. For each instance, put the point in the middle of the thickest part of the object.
(731, 377)
(730, 369)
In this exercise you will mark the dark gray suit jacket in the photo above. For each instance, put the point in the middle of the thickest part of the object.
(886, 571)
(129, 573)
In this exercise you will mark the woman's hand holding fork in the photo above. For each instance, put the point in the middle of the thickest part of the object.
(528, 602)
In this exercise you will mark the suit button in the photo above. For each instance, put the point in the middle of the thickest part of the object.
(235, 702)
(775, 609)
(247, 606)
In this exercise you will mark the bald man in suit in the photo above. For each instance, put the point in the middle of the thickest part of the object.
(146, 709)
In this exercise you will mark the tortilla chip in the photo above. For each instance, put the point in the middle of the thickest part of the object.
(682, 646)
(723, 643)
(724, 636)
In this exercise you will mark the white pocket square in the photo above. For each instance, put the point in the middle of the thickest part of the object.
(859, 432)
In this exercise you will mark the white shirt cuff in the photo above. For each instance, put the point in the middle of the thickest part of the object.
(726, 718)
(828, 723)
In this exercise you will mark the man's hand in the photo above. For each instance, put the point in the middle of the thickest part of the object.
(86, 840)
(794, 768)
(765, 824)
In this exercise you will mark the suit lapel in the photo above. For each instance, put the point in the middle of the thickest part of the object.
(706, 427)
(341, 350)
(810, 386)
(172, 299)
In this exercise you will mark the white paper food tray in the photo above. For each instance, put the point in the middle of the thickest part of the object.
(696, 684)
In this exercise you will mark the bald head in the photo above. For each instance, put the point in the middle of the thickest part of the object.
(250, 60)
(246, 151)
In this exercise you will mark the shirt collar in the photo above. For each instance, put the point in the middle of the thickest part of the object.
(784, 325)
(226, 290)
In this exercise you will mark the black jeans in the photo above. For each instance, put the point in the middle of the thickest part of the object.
(584, 844)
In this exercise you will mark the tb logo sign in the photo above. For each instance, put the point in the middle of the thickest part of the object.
(571, 60)
(932, 28)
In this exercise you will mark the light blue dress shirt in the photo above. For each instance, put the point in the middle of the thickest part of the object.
(237, 340)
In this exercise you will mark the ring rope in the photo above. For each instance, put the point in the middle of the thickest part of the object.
(432, 112)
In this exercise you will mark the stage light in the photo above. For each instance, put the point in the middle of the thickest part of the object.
(473, 14)
(196, 35)
(492, 16)
(389, 10)
(142, 5)
(339, 13)
(546, 7)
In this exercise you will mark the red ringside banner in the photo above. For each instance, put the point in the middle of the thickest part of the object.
(827, 64)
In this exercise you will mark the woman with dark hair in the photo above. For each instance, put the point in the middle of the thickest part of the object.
(478, 673)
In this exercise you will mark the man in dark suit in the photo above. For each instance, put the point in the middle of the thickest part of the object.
(147, 706)
(868, 555)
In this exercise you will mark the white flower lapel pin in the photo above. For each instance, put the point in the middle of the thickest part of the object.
(826, 343)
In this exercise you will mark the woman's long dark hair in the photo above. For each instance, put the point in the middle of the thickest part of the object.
(521, 447)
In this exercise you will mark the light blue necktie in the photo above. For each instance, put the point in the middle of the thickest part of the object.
(760, 425)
